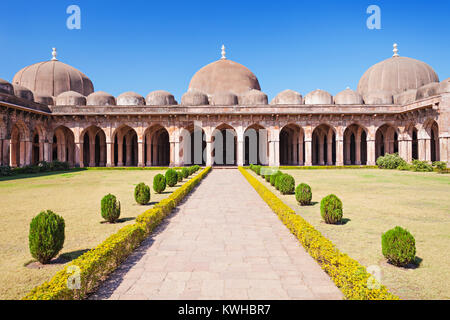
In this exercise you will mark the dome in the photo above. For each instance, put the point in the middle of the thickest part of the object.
(406, 97)
(224, 99)
(160, 98)
(23, 92)
(50, 78)
(428, 90)
(253, 98)
(395, 75)
(288, 97)
(348, 96)
(379, 97)
(42, 99)
(71, 98)
(6, 87)
(224, 76)
(101, 98)
(130, 99)
(318, 97)
(444, 86)
(194, 98)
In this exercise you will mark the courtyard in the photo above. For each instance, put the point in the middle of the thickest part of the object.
(375, 201)
(76, 197)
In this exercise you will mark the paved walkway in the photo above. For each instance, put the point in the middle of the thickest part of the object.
(223, 242)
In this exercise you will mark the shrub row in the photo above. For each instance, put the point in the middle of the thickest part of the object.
(348, 274)
(394, 161)
(96, 264)
(40, 167)
(283, 182)
(326, 167)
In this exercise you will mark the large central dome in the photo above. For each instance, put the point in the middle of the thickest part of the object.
(224, 76)
(50, 78)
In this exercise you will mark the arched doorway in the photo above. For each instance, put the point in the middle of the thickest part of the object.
(224, 139)
(19, 137)
(434, 141)
(94, 147)
(324, 145)
(36, 149)
(193, 146)
(63, 145)
(355, 145)
(386, 140)
(156, 146)
(256, 145)
(415, 144)
(125, 147)
(292, 145)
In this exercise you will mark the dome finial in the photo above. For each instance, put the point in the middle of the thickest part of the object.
(223, 53)
(395, 51)
(54, 53)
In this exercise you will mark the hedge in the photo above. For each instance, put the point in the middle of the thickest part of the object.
(96, 264)
(348, 274)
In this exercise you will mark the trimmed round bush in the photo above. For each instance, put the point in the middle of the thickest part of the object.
(142, 194)
(286, 184)
(191, 170)
(185, 172)
(257, 170)
(46, 236)
(267, 177)
(273, 177)
(110, 208)
(331, 209)
(171, 177)
(159, 183)
(179, 176)
(303, 194)
(390, 161)
(398, 246)
(278, 180)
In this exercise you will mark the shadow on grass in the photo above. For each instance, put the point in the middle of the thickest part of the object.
(411, 266)
(69, 256)
(60, 260)
(312, 204)
(120, 220)
(42, 174)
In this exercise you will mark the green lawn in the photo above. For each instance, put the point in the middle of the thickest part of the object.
(75, 196)
(375, 201)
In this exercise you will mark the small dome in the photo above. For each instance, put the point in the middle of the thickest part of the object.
(6, 87)
(318, 97)
(224, 76)
(224, 99)
(42, 99)
(160, 98)
(101, 98)
(253, 98)
(71, 98)
(23, 92)
(288, 97)
(348, 96)
(405, 97)
(395, 75)
(130, 99)
(428, 90)
(50, 78)
(444, 86)
(379, 97)
(194, 98)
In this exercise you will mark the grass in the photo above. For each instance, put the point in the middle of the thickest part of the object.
(75, 196)
(375, 201)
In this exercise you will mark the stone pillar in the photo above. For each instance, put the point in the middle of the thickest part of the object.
(148, 142)
(301, 161)
(13, 161)
(348, 150)
(330, 150)
(444, 149)
(209, 159)
(28, 152)
(424, 149)
(371, 161)
(6, 151)
(79, 157)
(358, 151)
(128, 151)
(308, 151)
(103, 151)
(1, 152)
(140, 153)
(110, 154)
(295, 150)
(321, 153)
(91, 152)
(120, 152)
(339, 151)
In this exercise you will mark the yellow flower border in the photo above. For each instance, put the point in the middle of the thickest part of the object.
(348, 274)
(95, 265)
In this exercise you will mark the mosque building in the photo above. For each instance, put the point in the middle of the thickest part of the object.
(50, 111)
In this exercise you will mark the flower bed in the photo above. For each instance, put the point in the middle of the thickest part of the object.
(348, 274)
(95, 265)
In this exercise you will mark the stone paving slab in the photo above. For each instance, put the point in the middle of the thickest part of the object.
(222, 242)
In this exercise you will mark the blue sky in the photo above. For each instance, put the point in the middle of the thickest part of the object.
(144, 46)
